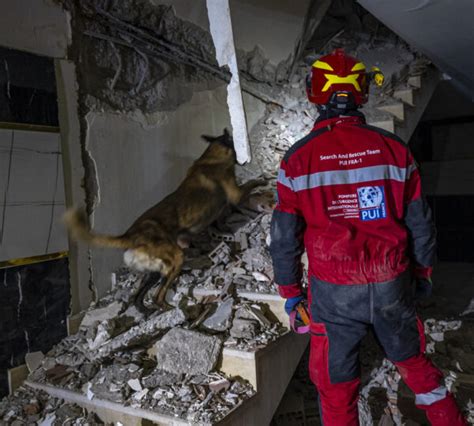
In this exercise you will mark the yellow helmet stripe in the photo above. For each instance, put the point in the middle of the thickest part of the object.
(335, 79)
(358, 67)
(323, 66)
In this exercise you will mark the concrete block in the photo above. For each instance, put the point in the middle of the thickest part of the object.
(187, 352)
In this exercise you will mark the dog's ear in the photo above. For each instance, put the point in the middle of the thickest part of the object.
(226, 132)
(208, 138)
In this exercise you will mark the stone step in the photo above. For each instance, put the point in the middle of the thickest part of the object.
(407, 96)
(414, 81)
(396, 109)
(426, 85)
(257, 367)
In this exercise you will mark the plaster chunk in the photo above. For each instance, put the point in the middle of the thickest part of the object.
(135, 384)
(220, 320)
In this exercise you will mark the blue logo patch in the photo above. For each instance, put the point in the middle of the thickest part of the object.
(371, 202)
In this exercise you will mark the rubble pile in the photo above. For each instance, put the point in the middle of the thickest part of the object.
(162, 361)
(234, 250)
(31, 406)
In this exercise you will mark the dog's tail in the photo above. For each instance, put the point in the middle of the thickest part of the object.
(76, 221)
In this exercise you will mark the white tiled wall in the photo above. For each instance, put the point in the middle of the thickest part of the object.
(34, 194)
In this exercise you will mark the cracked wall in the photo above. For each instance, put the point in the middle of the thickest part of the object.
(142, 112)
(131, 114)
(140, 119)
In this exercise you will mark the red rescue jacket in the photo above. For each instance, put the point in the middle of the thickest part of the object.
(351, 195)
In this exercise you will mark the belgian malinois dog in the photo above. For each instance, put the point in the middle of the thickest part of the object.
(155, 241)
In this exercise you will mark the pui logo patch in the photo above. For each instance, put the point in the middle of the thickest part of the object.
(371, 202)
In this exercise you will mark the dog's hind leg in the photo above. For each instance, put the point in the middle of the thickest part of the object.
(160, 298)
(152, 279)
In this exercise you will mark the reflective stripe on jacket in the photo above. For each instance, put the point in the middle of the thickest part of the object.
(351, 195)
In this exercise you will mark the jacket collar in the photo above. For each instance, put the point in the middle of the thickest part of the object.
(351, 117)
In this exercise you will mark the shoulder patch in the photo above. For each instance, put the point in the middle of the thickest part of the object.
(385, 133)
(303, 142)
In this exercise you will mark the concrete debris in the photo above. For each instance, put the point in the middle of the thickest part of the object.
(246, 262)
(187, 352)
(142, 333)
(59, 374)
(218, 385)
(470, 412)
(260, 277)
(71, 359)
(135, 384)
(33, 360)
(161, 377)
(220, 319)
(257, 313)
(103, 333)
(111, 383)
(195, 401)
(470, 308)
(436, 329)
(387, 377)
(244, 328)
(31, 406)
(95, 316)
(138, 396)
(221, 254)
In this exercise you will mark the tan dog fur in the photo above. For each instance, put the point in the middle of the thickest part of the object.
(152, 242)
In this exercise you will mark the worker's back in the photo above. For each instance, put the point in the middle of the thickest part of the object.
(351, 183)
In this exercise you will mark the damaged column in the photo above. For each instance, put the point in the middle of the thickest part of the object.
(221, 31)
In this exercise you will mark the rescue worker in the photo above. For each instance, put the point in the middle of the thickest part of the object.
(350, 194)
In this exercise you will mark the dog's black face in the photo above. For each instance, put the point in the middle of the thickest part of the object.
(225, 139)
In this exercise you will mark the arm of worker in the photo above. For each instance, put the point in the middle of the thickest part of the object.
(287, 231)
(418, 219)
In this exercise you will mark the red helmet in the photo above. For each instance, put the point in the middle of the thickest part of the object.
(338, 80)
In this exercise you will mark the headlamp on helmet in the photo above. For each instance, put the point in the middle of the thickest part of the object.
(340, 81)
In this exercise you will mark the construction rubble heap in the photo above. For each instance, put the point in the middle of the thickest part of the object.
(168, 361)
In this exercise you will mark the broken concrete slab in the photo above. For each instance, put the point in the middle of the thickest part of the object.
(187, 352)
(142, 333)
